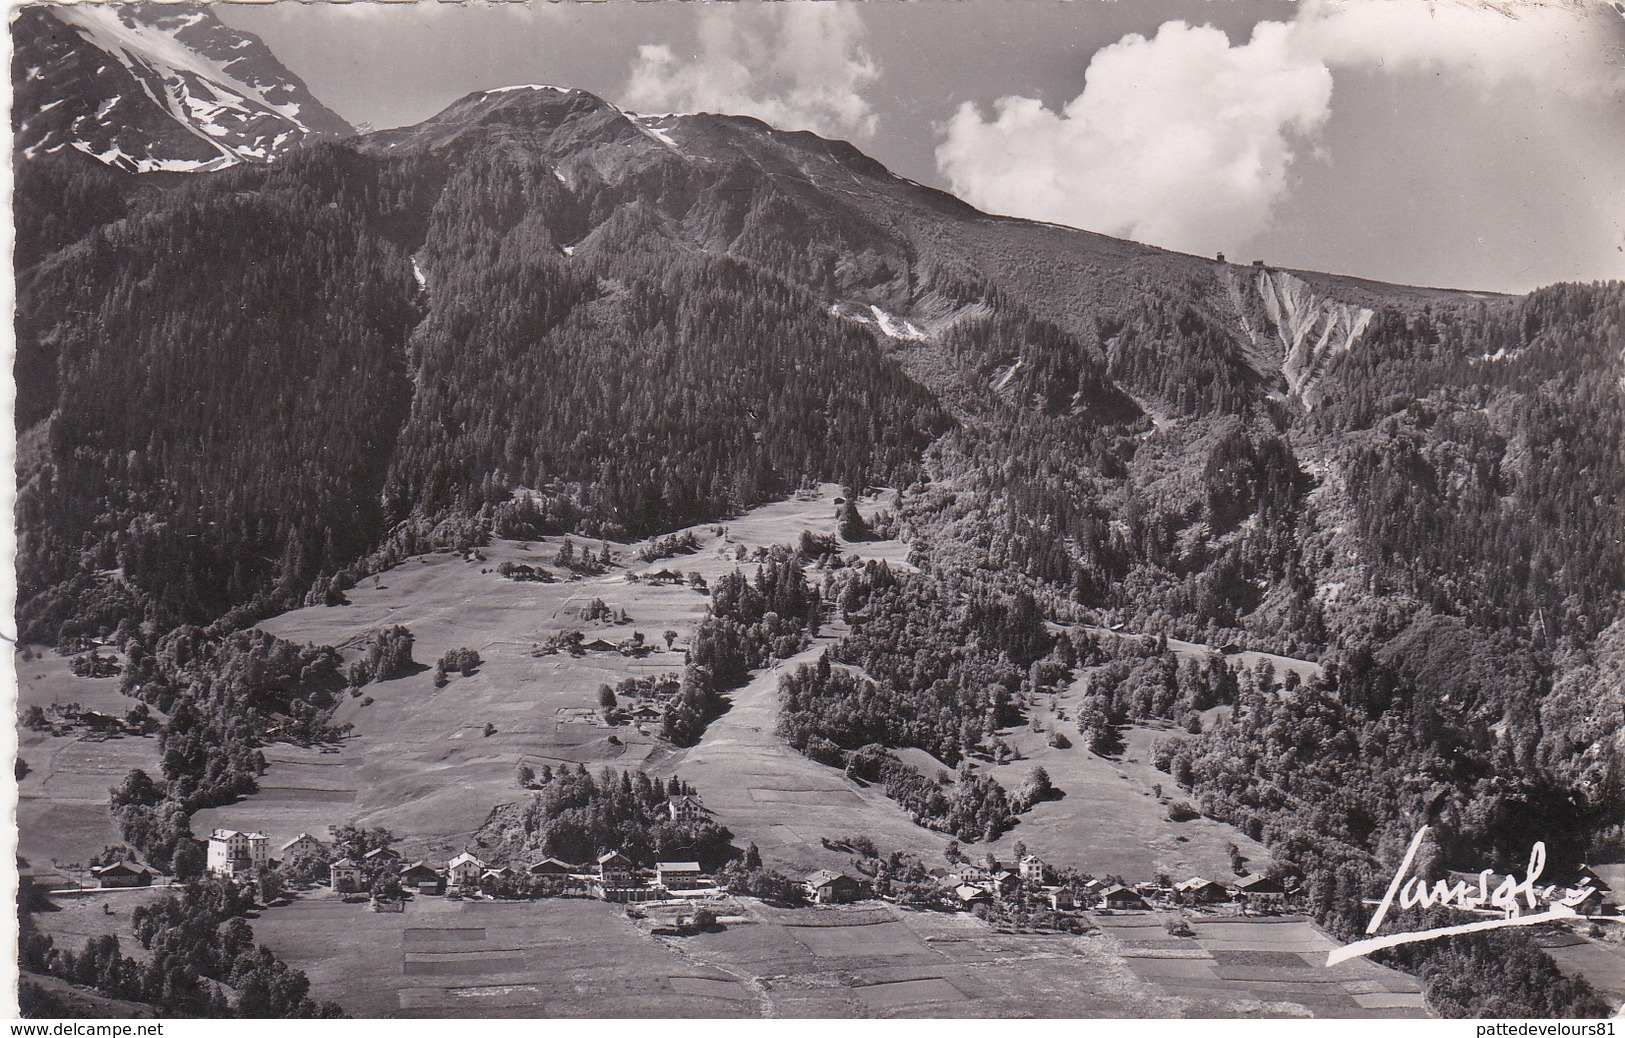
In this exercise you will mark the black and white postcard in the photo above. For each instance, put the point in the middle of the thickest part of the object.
(820, 509)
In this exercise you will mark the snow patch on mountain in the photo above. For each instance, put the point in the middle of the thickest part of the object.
(531, 86)
(654, 128)
(149, 88)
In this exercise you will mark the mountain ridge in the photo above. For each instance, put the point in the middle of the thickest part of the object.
(145, 87)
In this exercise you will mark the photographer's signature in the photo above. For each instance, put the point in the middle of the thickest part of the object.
(1517, 899)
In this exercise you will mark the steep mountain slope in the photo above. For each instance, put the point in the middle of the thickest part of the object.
(655, 320)
(148, 87)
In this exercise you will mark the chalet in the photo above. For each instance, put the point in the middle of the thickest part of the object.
(234, 854)
(1589, 904)
(380, 857)
(969, 895)
(1202, 891)
(1003, 884)
(616, 870)
(464, 871)
(677, 875)
(302, 846)
(497, 880)
(1121, 897)
(1262, 892)
(423, 878)
(345, 876)
(664, 576)
(550, 867)
(1606, 877)
(1033, 869)
(552, 875)
(972, 874)
(1586, 872)
(831, 888)
(1061, 899)
(123, 874)
(645, 714)
(598, 645)
(686, 809)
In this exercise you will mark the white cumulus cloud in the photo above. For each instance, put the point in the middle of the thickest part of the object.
(1187, 141)
(798, 66)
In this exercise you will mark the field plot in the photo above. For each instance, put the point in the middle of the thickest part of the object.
(1600, 962)
(1110, 820)
(420, 760)
(754, 784)
(882, 961)
(1277, 965)
(440, 958)
(94, 913)
(62, 810)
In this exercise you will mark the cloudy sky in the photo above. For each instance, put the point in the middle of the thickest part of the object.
(1476, 145)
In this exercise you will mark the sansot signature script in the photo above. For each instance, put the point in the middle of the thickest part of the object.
(1510, 895)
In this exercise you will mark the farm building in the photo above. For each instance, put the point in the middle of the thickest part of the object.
(552, 875)
(380, 856)
(599, 645)
(616, 870)
(1204, 891)
(1262, 892)
(302, 846)
(677, 875)
(831, 888)
(234, 853)
(1121, 897)
(686, 809)
(423, 878)
(1003, 884)
(1033, 869)
(551, 867)
(464, 871)
(345, 877)
(1588, 902)
(123, 874)
(969, 895)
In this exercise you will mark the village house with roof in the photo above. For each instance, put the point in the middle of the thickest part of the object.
(236, 854)
(423, 878)
(1121, 898)
(122, 874)
(678, 875)
(1262, 893)
(1202, 890)
(1033, 869)
(686, 809)
(464, 871)
(302, 846)
(827, 887)
(345, 876)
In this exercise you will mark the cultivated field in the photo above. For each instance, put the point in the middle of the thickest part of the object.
(564, 958)
(770, 794)
(1257, 965)
(442, 958)
(420, 762)
(62, 813)
(1110, 820)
